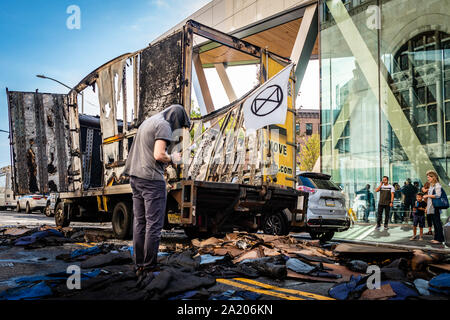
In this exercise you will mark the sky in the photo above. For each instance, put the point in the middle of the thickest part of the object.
(36, 40)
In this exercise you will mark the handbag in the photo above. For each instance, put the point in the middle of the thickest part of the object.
(442, 201)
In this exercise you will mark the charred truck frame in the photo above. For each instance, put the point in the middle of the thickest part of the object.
(228, 179)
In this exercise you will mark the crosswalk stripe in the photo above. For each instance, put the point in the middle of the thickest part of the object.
(253, 289)
(292, 291)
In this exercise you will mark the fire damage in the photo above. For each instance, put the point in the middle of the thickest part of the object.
(236, 266)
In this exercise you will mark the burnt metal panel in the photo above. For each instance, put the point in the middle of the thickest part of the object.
(40, 141)
(160, 77)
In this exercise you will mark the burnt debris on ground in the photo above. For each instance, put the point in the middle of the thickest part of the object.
(189, 269)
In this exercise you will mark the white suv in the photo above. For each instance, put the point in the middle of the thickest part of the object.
(31, 202)
(326, 212)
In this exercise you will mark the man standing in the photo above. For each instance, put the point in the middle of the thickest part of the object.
(145, 165)
(409, 191)
(385, 202)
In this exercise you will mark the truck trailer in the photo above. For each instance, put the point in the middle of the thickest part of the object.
(229, 178)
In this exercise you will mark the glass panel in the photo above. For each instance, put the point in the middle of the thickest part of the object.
(350, 153)
(447, 131)
(422, 136)
(432, 114)
(432, 134)
(396, 111)
(421, 117)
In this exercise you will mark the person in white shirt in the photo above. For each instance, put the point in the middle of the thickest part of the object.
(385, 202)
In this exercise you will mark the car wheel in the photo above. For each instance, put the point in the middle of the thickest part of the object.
(122, 220)
(276, 224)
(61, 216)
(18, 209)
(47, 210)
(27, 208)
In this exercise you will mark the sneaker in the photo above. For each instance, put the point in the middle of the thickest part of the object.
(420, 239)
(377, 228)
(412, 238)
(386, 228)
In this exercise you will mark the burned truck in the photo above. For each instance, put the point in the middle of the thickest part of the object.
(229, 178)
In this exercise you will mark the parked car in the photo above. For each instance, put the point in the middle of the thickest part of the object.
(326, 212)
(31, 202)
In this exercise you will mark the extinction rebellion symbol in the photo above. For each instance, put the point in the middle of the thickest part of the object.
(267, 101)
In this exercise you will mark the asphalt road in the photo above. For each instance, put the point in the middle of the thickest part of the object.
(16, 262)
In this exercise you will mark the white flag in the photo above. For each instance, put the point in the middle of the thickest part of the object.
(268, 104)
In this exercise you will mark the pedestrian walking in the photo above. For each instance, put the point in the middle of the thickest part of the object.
(429, 217)
(385, 202)
(145, 165)
(419, 209)
(435, 192)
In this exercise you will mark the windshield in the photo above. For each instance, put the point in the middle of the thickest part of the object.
(317, 183)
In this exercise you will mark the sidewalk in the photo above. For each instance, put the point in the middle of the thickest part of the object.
(397, 234)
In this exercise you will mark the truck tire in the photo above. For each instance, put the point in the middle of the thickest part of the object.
(322, 236)
(276, 224)
(18, 209)
(122, 220)
(61, 216)
(28, 208)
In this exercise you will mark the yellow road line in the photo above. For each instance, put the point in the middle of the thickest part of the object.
(292, 291)
(253, 289)
(89, 245)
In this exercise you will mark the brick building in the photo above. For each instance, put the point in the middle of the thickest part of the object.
(307, 123)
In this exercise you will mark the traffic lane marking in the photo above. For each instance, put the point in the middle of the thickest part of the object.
(261, 291)
(292, 291)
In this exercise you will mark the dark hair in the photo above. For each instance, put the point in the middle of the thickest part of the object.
(420, 194)
(385, 177)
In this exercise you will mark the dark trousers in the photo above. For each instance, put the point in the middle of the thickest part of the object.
(149, 207)
(437, 224)
(386, 210)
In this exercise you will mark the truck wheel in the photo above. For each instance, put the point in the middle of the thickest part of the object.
(18, 209)
(47, 211)
(27, 208)
(61, 216)
(322, 236)
(122, 220)
(276, 224)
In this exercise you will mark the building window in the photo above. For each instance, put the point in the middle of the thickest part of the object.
(416, 59)
(309, 129)
(297, 128)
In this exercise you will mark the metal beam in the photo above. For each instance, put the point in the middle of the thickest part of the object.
(203, 83)
(224, 39)
(304, 44)
(220, 68)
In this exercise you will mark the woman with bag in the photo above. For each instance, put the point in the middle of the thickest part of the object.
(436, 200)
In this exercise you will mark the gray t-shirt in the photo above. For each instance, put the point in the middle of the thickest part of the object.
(141, 163)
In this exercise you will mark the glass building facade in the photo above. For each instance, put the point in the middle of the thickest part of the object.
(385, 91)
